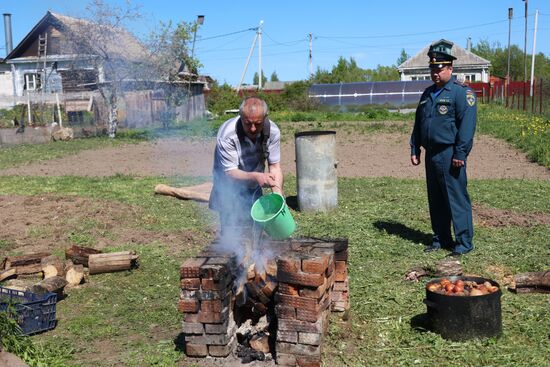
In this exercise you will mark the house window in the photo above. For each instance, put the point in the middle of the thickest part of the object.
(32, 81)
(470, 78)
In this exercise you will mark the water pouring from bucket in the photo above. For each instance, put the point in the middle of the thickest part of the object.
(271, 212)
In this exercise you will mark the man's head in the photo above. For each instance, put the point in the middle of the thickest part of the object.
(441, 62)
(253, 112)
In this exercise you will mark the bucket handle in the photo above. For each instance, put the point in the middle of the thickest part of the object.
(429, 303)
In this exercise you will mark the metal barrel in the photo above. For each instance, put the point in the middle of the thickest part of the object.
(317, 184)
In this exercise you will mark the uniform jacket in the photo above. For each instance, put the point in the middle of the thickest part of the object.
(446, 119)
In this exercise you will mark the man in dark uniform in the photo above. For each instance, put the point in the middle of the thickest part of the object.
(444, 126)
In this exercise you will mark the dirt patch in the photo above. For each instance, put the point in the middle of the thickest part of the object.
(49, 222)
(358, 155)
(496, 218)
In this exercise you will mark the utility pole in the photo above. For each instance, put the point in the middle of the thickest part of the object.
(249, 55)
(525, 57)
(260, 55)
(507, 83)
(200, 21)
(533, 54)
(310, 56)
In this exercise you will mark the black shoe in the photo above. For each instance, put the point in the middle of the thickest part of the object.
(432, 248)
(458, 254)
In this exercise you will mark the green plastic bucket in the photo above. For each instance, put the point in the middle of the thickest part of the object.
(271, 212)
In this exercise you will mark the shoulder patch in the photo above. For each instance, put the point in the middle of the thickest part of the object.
(470, 97)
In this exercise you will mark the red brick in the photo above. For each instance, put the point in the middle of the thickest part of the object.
(213, 317)
(298, 302)
(315, 264)
(188, 305)
(289, 289)
(300, 278)
(288, 264)
(215, 272)
(190, 283)
(298, 325)
(191, 267)
(341, 266)
(309, 338)
(298, 349)
(286, 359)
(209, 284)
(214, 305)
(221, 350)
(287, 336)
(341, 256)
(341, 277)
(196, 350)
(285, 312)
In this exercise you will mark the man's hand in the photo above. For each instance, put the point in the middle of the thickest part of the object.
(265, 180)
(415, 160)
(457, 163)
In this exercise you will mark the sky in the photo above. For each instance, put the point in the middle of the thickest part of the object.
(371, 32)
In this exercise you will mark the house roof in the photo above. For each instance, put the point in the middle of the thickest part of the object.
(464, 58)
(119, 43)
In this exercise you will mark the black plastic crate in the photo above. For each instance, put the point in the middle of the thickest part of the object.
(34, 313)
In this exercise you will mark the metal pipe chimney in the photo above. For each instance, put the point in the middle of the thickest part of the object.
(7, 33)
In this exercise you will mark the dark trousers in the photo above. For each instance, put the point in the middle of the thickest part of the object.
(448, 200)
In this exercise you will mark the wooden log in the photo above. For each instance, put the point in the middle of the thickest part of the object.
(54, 285)
(110, 262)
(4, 274)
(198, 192)
(79, 255)
(52, 266)
(74, 274)
(532, 282)
(26, 264)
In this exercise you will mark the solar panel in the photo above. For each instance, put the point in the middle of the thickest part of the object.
(394, 93)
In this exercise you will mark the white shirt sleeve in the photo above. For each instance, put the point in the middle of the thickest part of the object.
(274, 144)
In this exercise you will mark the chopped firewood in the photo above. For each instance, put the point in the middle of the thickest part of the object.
(74, 274)
(79, 255)
(52, 285)
(260, 343)
(26, 264)
(5, 274)
(198, 192)
(532, 282)
(52, 266)
(444, 268)
(110, 262)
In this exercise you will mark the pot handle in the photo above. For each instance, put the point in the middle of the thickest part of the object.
(430, 303)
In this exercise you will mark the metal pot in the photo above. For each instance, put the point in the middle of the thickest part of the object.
(461, 318)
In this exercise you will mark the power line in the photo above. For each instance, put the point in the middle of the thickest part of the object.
(417, 34)
(228, 34)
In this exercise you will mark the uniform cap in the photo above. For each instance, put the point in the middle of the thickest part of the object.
(440, 55)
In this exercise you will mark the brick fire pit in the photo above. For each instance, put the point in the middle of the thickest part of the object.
(298, 286)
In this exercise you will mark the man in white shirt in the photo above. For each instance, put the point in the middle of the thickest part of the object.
(243, 145)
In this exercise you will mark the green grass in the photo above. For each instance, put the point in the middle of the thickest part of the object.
(529, 133)
(387, 223)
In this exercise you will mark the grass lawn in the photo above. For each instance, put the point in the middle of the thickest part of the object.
(130, 318)
(133, 314)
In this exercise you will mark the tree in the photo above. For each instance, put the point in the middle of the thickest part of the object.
(171, 65)
(256, 79)
(99, 40)
(402, 57)
(274, 77)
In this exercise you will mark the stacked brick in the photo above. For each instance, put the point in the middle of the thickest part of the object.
(340, 290)
(206, 302)
(303, 303)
